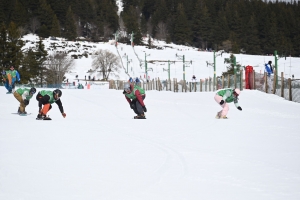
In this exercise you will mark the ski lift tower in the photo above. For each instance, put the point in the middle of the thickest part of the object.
(127, 61)
(184, 63)
(219, 53)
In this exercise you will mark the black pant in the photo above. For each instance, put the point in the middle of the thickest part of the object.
(137, 107)
(42, 101)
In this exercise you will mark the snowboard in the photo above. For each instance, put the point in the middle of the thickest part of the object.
(45, 118)
(21, 114)
(135, 117)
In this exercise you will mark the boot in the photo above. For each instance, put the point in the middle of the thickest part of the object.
(19, 110)
(224, 117)
(140, 116)
(40, 117)
(218, 116)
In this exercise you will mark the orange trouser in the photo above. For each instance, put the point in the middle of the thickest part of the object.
(45, 109)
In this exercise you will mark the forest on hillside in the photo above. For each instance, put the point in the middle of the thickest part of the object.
(238, 26)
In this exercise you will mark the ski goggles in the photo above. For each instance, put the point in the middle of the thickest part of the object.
(127, 90)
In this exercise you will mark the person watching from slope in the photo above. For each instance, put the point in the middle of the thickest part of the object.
(13, 76)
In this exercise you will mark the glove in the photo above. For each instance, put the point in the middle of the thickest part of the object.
(26, 102)
(239, 108)
(222, 102)
(124, 92)
(132, 106)
(64, 115)
(145, 109)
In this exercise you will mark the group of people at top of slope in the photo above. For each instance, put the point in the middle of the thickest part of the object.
(45, 97)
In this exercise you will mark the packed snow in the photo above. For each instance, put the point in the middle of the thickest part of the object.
(179, 152)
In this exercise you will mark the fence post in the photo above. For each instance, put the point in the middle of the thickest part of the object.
(290, 89)
(228, 78)
(282, 87)
(266, 82)
(253, 82)
(190, 86)
(209, 85)
(274, 83)
(222, 82)
(200, 85)
(235, 83)
(242, 79)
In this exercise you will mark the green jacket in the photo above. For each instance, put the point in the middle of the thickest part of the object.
(25, 93)
(228, 96)
(50, 94)
(12, 73)
(132, 95)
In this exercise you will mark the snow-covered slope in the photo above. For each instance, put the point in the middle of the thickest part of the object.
(179, 152)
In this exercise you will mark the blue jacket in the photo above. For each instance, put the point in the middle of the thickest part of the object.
(268, 69)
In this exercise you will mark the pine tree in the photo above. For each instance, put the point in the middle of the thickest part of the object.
(4, 61)
(55, 30)
(14, 46)
(182, 30)
(19, 14)
(251, 38)
(271, 34)
(131, 22)
(45, 16)
(204, 26)
(221, 29)
(70, 27)
(160, 15)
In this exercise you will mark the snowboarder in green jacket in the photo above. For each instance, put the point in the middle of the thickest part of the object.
(46, 98)
(23, 95)
(135, 97)
(225, 96)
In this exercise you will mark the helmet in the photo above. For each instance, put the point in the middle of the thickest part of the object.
(237, 91)
(270, 62)
(32, 91)
(57, 92)
(127, 87)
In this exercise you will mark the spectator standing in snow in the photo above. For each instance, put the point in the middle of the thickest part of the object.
(269, 71)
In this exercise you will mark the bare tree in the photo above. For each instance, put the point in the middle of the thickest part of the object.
(22, 31)
(107, 63)
(227, 45)
(149, 28)
(34, 24)
(161, 31)
(107, 31)
(57, 65)
(122, 30)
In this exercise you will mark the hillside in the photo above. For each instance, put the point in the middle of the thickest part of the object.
(157, 59)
